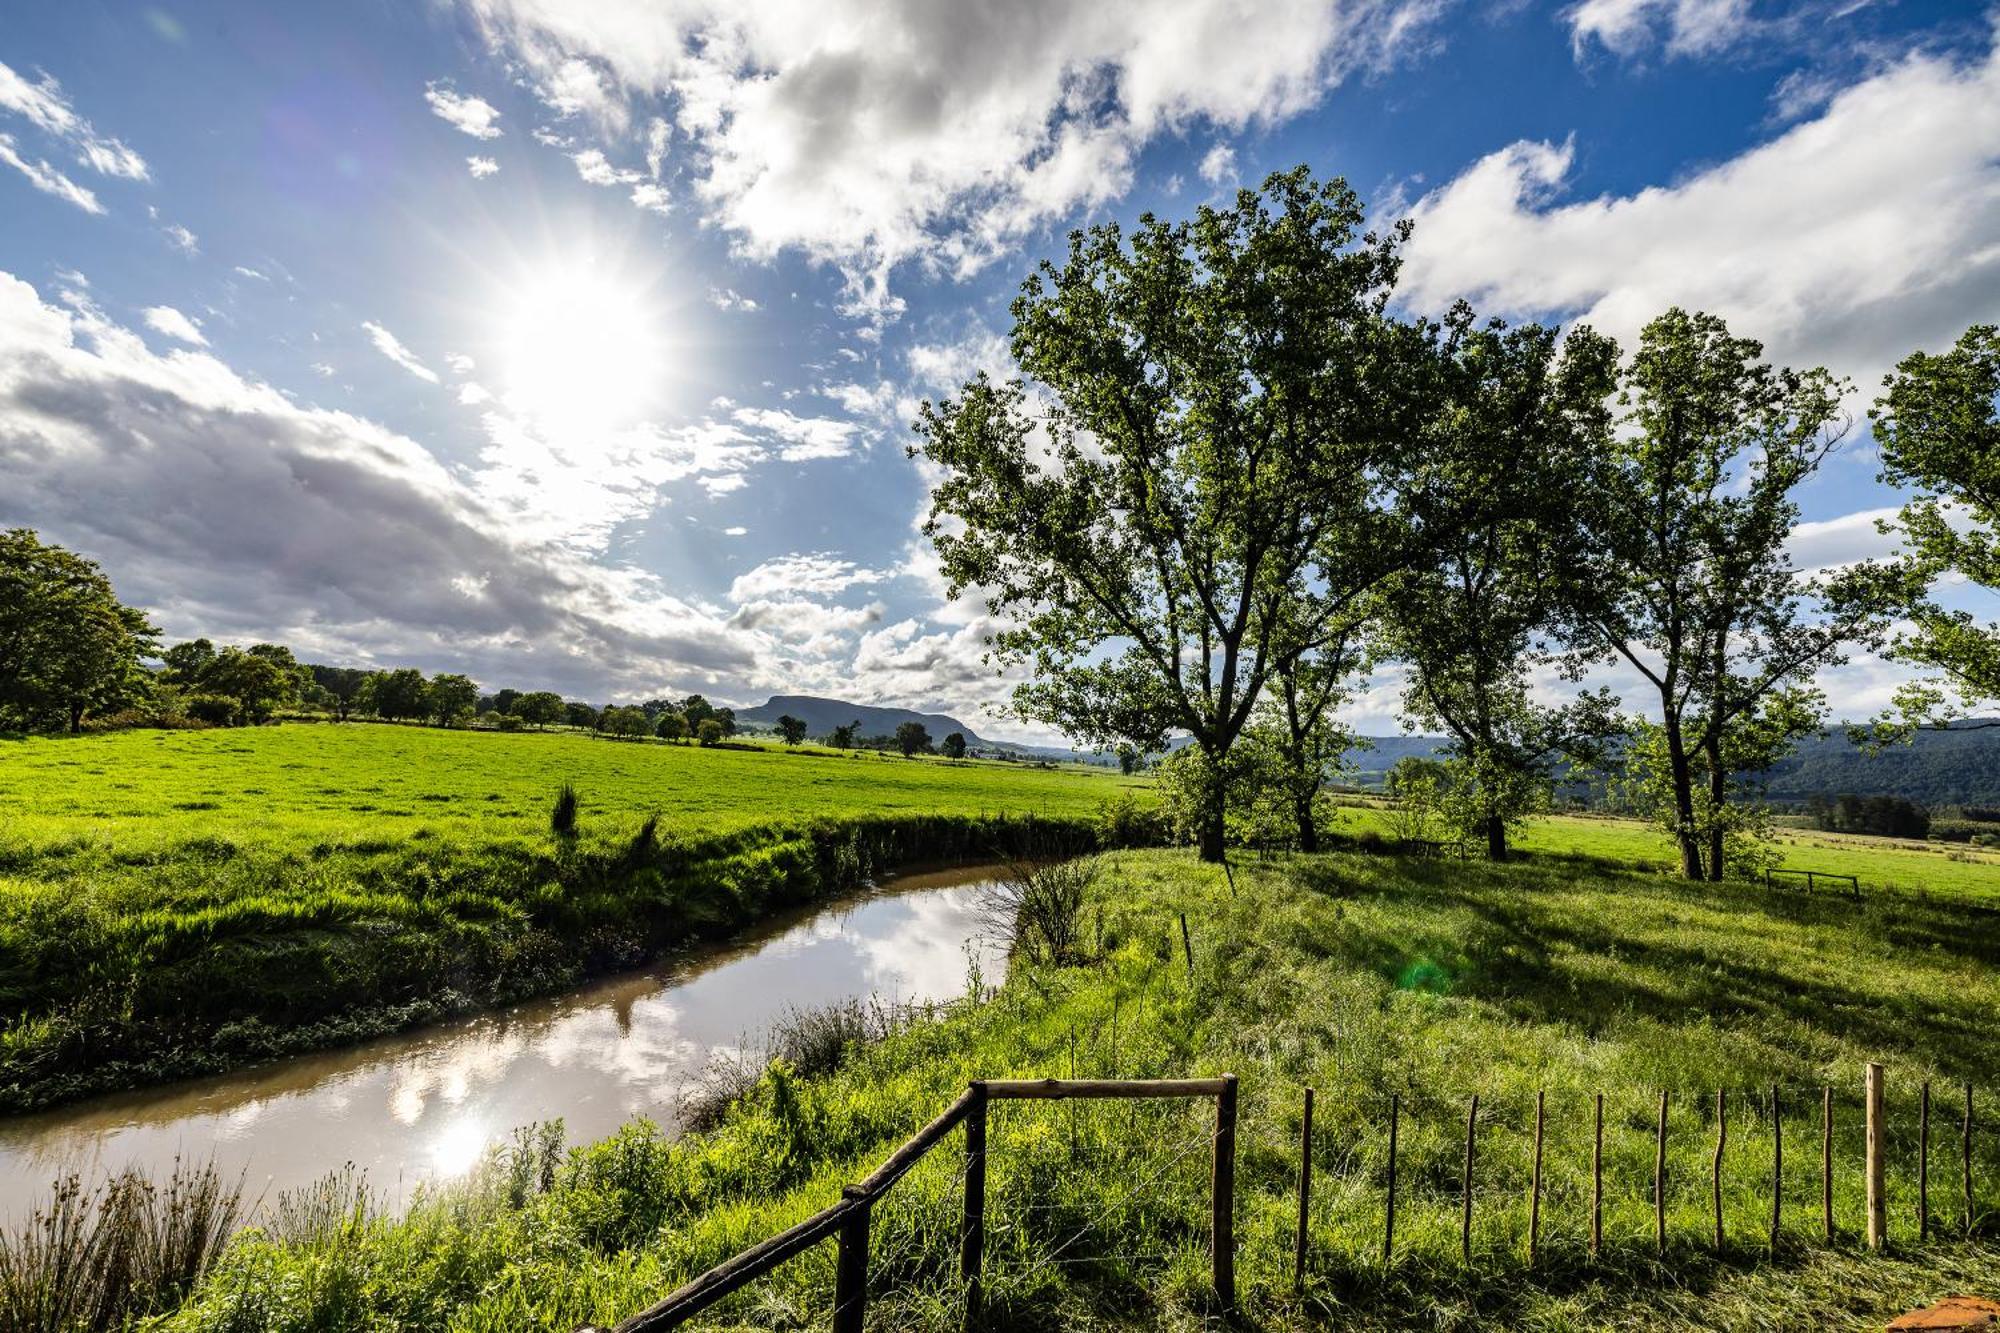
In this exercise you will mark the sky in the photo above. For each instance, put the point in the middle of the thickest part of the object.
(577, 346)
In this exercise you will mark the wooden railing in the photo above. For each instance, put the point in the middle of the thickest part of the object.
(848, 1220)
(1812, 877)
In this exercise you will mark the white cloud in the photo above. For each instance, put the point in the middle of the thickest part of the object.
(44, 106)
(472, 395)
(1844, 241)
(392, 347)
(468, 115)
(1691, 27)
(727, 298)
(166, 320)
(596, 169)
(250, 273)
(460, 363)
(1218, 164)
(322, 369)
(46, 178)
(801, 438)
(1834, 542)
(227, 510)
(481, 167)
(819, 574)
(735, 532)
(181, 238)
(869, 134)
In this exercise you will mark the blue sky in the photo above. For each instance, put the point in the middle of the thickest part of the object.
(576, 345)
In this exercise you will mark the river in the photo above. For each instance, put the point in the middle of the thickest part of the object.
(426, 1105)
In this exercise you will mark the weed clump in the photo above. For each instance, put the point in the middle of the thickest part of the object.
(562, 819)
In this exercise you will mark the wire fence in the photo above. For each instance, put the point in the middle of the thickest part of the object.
(1133, 1183)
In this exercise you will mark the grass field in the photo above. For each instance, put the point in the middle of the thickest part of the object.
(298, 785)
(180, 902)
(1361, 976)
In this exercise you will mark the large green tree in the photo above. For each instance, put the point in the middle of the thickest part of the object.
(1938, 428)
(1682, 563)
(1212, 443)
(1520, 419)
(257, 681)
(68, 647)
(451, 697)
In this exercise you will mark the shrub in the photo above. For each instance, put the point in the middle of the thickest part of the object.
(218, 710)
(1038, 909)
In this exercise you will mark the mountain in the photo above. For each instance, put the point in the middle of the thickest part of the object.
(823, 715)
(1959, 765)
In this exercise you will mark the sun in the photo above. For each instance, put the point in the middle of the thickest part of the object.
(583, 349)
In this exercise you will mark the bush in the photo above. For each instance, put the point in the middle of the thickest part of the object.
(217, 710)
(1123, 822)
(562, 819)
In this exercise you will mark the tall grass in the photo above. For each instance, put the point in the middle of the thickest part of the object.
(97, 1258)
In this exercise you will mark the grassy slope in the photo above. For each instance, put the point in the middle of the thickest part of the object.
(173, 903)
(1361, 976)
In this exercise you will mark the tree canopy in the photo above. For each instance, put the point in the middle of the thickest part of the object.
(68, 647)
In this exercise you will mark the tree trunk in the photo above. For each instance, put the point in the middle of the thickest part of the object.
(1212, 846)
(1302, 811)
(1718, 791)
(1496, 838)
(75, 718)
(1682, 773)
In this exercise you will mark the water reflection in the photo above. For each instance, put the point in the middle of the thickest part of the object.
(426, 1105)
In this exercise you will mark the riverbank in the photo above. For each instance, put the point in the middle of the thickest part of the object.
(228, 956)
(1360, 976)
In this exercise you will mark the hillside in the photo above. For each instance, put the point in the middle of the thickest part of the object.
(823, 715)
(1959, 766)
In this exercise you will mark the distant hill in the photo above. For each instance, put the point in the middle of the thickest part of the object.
(1958, 766)
(823, 715)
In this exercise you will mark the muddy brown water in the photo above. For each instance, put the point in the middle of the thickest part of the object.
(426, 1105)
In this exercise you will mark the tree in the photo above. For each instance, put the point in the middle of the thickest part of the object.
(1938, 428)
(1302, 740)
(539, 708)
(579, 715)
(184, 661)
(399, 694)
(845, 737)
(342, 686)
(671, 726)
(697, 710)
(624, 722)
(1487, 608)
(505, 701)
(256, 681)
(912, 738)
(791, 729)
(68, 647)
(1682, 567)
(727, 717)
(953, 745)
(709, 732)
(1222, 416)
(451, 697)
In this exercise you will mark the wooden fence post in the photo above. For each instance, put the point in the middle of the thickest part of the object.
(1826, 1160)
(1660, 1179)
(1924, 1164)
(1305, 1193)
(1465, 1211)
(1965, 1158)
(850, 1272)
(1597, 1179)
(972, 1233)
(1389, 1220)
(1224, 1181)
(1187, 946)
(1715, 1173)
(1535, 1188)
(1777, 1167)
(1878, 1203)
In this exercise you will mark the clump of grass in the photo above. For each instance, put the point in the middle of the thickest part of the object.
(320, 1215)
(99, 1258)
(562, 819)
(1037, 909)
